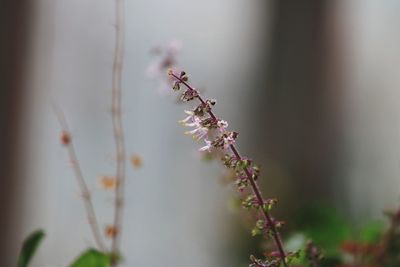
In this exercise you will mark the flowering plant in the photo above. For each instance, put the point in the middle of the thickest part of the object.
(214, 132)
(206, 126)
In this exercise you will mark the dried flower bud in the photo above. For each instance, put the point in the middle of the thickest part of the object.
(108, 182)
(136, 161)
(211, 102)
(65, 138)
(202, 109)
(209, 123)
(269, 204)
(111, 231)
(176, 86)
(189, 94)
(225, 140)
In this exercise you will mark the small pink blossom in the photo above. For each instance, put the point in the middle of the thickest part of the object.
(222, 125)
(198, 133)
(166, 59)
(191, 117)
(207, 147)
(228, 141)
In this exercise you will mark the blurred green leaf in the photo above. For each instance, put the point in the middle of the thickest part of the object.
(92, 258)
(371, 232)
(331, 261)
(29, 247)
(325, 226)
(297, 242)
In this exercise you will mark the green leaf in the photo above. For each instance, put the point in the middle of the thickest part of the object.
(371, 232)
(29, 247)
(331, 261)
(92, 258)
(325, 226)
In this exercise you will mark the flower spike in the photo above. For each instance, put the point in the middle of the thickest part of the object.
(213, 130)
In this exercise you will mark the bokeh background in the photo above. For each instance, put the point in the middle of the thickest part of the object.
(312, 87)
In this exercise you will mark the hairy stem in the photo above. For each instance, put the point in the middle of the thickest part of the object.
(118, 126)
(89, 208)
(254, 186)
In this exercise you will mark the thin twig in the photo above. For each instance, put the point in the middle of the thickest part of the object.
(90, 213)
(118, 126)
(313, 254)
(253, 183)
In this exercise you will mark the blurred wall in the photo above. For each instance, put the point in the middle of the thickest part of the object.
(176, 211)
(327, 105)
(298, 104)
(372, 61)
(15, 34)
(310, 86)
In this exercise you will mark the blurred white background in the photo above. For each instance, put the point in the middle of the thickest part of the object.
(176, 211)
(372, 60)
(175, 208)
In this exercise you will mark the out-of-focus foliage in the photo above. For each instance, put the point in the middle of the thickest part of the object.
(29, 248)
(92, 258)
(325, 226)
(297, 242)
(341, 245)
(371, 232)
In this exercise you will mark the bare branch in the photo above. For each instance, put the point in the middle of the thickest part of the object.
(66, 140)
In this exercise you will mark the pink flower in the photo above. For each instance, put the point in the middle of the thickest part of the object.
(222, 125)
(191, 117)
(166, 59)
(228, 140)
(207, 147)
(199, 132)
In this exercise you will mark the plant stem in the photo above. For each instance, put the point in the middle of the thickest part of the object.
(89, 208)
(313, 254)
(267, 216)
(118, 127)
(253, 183)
